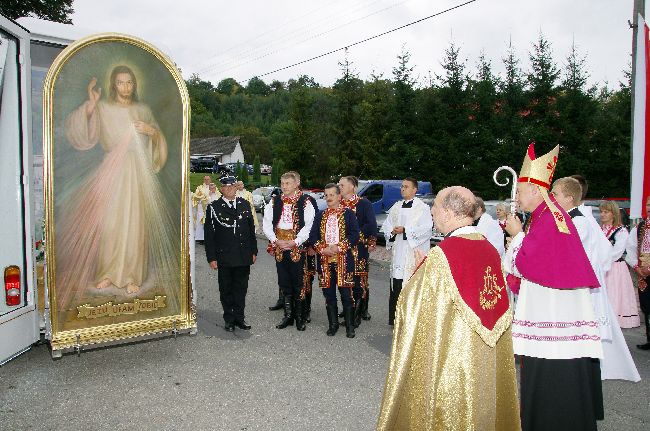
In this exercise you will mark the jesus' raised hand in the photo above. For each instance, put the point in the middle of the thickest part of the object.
(93, 96)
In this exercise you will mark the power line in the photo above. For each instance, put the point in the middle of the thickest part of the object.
(270, 31)
(315, 36)
(362, 41)
(297, 33)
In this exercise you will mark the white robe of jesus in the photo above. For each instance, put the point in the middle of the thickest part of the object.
(121, 196)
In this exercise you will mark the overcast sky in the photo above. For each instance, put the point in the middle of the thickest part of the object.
(242, 39)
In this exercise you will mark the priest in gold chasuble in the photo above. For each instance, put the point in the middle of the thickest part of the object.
(452, 364)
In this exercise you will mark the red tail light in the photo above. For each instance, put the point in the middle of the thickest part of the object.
(12, 285)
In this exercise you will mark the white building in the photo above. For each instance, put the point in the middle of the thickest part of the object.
(227, 149)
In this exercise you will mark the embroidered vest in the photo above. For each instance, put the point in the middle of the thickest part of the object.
(278, 205)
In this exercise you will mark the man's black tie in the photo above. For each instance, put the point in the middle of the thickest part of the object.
(408, 204)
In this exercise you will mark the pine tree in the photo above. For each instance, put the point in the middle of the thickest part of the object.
(244, 174)
(348, 94)
(484, 151)
(403, 143)
(456, 119)
(577, 109)
(512, 109)
(257, 171)
(542, 124)
(275, 167)
(375, 112)
(238, 170)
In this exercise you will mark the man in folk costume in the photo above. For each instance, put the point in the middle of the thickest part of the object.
(407, 228)
(245, 194)
(617, 362)
(452, 365)
(309, 273)
(200, 201)
(367, 221)
(287, 223)
(554, 330)
(638, 257)
(333, 236)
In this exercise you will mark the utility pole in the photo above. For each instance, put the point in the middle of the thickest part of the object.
(639, 9)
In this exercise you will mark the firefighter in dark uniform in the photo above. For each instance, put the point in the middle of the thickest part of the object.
(231, 249)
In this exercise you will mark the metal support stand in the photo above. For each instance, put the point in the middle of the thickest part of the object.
(77, 346)
(174, 330)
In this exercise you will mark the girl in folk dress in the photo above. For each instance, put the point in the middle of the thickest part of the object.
(620, 289)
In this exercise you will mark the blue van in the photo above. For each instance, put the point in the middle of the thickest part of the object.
(384, 193)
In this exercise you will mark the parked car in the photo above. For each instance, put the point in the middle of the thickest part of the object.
(623, 204)
(384, 193)
(265, 169)
(233, 167)
(263, 195)
(320, 201)
(220, 168)
(207, 164)
(260, 197)
(201, 164)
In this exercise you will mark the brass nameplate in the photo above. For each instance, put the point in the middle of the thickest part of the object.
(110, 310)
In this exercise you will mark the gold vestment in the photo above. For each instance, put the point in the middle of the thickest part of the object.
(447, 371)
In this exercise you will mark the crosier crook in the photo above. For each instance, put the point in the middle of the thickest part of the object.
(513, 193)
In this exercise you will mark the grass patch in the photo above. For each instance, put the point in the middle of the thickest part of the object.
(196, 178)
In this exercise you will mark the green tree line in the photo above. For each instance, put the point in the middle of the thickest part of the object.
(457, 128)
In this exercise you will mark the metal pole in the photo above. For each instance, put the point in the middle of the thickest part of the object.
(639, 8)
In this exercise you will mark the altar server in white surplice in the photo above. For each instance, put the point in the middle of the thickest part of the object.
(407, 229)
(617, 362)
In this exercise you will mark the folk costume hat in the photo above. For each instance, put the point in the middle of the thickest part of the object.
(539, 171)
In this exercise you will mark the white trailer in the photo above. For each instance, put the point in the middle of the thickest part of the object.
(19, 320)
(27, 48)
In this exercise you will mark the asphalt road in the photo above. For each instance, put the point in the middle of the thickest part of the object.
(263, 379)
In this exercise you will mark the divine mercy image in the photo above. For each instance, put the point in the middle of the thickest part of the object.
(117, 213)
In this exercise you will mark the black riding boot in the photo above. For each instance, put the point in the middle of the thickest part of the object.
(364, 306)
(279, 304)
(356, 315)
(646, 346)
(287, 320)
(307, 308)
(300, 317)
(348, 315)
(332, 319)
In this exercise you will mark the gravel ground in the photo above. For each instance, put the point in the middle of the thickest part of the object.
(263, 379)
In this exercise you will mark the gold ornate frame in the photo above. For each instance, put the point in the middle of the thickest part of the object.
(103, 334)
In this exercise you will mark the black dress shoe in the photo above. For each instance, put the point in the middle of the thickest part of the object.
(230, 327)
(243, 325)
